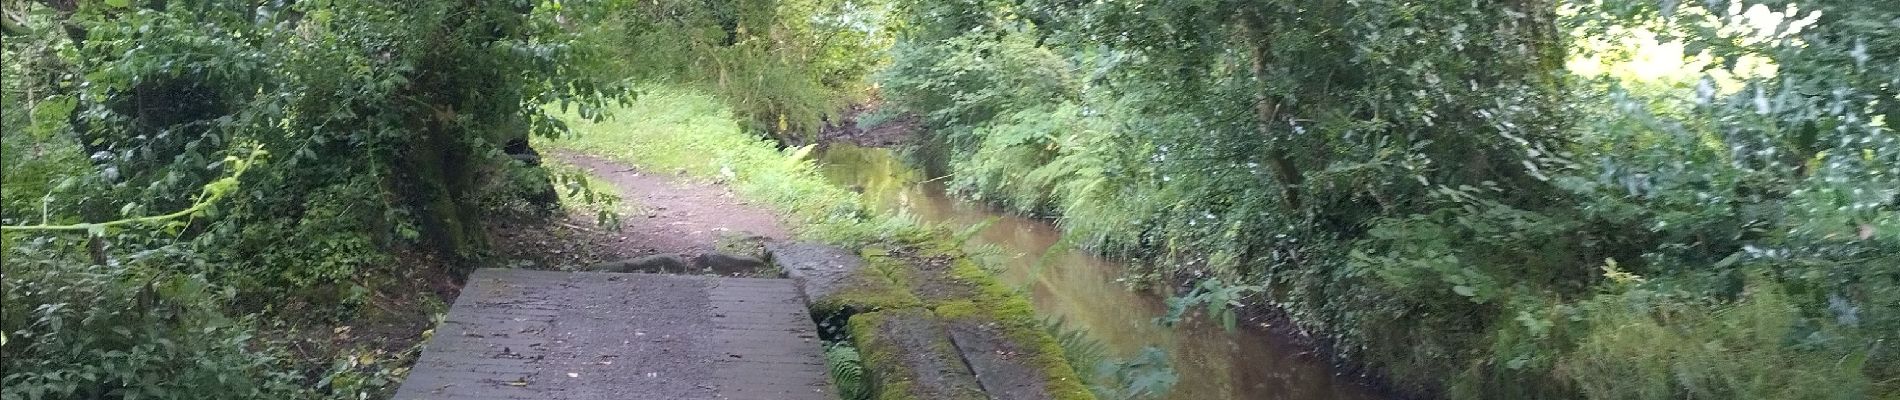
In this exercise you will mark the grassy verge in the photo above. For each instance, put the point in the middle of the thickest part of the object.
(672, 130)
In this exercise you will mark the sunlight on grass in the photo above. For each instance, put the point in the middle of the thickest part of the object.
(669, 130)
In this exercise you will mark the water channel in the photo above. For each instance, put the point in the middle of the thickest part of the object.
(1084, 290)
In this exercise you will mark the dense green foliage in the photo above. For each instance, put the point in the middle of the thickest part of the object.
(379, 134)
(1146, 376)
(106, 331)
(784, 66)
(383, 120)
(1427, 187)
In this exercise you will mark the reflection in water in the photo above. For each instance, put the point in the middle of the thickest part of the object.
(1083, 290)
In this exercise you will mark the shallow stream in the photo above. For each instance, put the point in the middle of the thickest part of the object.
(1086, 292)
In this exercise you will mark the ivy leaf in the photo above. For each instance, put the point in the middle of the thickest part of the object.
(119, 3)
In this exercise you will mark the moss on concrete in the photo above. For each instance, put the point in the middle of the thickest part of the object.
(1010, 312)
(866, 290)
(896, 309)
(879, 259)
(908, 356)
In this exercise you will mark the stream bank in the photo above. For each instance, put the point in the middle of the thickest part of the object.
(902, 295)
(930, 292)
(1089, 293)
(857, 198)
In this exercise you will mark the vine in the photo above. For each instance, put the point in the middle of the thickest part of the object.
(211, 194)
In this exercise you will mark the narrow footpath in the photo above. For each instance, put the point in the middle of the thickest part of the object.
(539, 334)
(663, 213)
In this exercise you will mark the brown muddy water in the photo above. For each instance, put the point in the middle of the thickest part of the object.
(1087, 293)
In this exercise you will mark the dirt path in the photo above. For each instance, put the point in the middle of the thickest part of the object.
(669, 214)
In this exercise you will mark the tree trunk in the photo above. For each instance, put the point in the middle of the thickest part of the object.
(437, 177)
(1267, 111)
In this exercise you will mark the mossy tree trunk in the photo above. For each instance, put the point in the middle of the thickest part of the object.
(436, 178)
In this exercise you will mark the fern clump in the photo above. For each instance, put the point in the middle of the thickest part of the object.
(847, 371)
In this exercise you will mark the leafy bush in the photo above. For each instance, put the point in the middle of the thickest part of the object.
(1648, 345)
(386, 125)
(125, 331)
(1145, 376)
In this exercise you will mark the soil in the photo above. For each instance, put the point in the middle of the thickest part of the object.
(674, 215)
(388, 327)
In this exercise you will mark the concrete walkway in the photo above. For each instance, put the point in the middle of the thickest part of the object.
(520, 334)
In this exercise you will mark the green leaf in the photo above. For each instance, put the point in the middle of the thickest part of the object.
(51, 114)
(1463, 290)
(119, 3)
